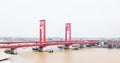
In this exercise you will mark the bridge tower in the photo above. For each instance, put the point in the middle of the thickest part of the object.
(42, 37)
(42, 31)
(68, 32)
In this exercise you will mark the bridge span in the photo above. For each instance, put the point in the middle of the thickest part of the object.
(42, 40)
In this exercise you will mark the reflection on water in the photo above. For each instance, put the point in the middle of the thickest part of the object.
(85, 55)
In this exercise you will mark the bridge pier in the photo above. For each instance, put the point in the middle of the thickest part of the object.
(89, 45)
(110, 46)
(92, 44)
(50, 50)
(61, 47)
(40, 49)
(66, 47)
(11, 51)
(81, 46)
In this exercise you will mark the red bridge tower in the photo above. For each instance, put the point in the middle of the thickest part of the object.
(43, 31)
(68, 32)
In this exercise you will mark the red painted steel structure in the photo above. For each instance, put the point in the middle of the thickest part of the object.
(68, 32)
(42, 41)
(42, 31)
(19, 45)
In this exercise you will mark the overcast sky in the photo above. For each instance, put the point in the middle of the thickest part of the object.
(89, 18)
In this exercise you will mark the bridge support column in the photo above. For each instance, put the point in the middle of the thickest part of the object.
(40, 49)
(61, 47)
(88, 45)
(42, 39)
(93, 44)
(11, 51)
(66, 47)
(81, 46)
(110, 46)
(42, 31)
(67, 34)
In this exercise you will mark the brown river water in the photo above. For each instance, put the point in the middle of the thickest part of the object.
(83, 55)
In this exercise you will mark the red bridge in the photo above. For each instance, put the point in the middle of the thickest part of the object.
(42, 40)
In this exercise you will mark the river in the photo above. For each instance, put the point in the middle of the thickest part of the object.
(84, 55)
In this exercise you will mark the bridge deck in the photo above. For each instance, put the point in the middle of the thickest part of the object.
(48, 43)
